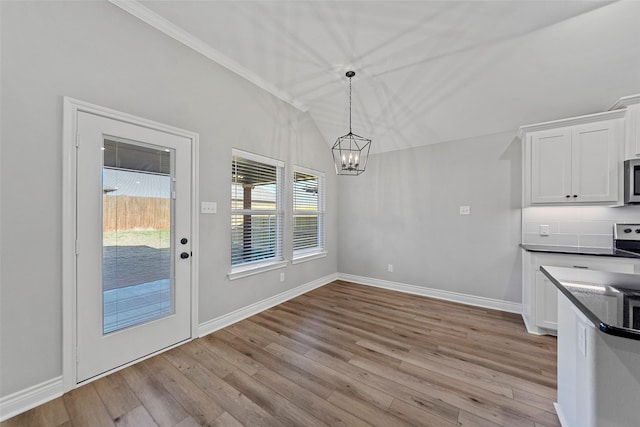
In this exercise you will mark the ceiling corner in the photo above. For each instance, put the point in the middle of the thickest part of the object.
(151, 18)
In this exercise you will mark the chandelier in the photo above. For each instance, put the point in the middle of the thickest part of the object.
(351, 151)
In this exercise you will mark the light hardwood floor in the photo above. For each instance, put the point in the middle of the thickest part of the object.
(343, 354)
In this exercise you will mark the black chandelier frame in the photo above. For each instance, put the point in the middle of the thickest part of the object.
(351, 151)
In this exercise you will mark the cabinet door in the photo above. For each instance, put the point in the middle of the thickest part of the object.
(632, 132)
(546, 296)
(551, 165)
(594, 171)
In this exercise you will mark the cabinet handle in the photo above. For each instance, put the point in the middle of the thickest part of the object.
(567, 196)
(575, 195)
(580, 266)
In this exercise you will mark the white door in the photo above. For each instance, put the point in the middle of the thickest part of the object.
(133, 242)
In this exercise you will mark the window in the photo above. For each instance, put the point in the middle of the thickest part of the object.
(308, 213)
(256, 212)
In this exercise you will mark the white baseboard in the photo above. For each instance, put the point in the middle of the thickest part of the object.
(538, 331)
(38, 394)
(530, 329)
(30, 397)
(511, 307)
(255, 308)
(561, 418)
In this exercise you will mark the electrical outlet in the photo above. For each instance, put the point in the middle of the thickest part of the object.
(465, 210)
(208, 207)
(544, 230)
(390, 268)
(282, 277)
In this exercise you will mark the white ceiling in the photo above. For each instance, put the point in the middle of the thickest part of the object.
(426, 71)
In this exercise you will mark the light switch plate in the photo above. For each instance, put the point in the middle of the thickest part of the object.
(544, 230)
(208, 207)
(465, 210)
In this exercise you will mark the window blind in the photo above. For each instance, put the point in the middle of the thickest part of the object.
(308, 212)
(256, 209)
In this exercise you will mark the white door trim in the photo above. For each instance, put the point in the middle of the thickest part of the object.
(71, 108)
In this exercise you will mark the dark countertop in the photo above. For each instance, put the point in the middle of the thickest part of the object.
(579, 250)
(609, 300)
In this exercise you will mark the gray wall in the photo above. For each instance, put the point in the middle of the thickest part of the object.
(404, 210)
(95, 52)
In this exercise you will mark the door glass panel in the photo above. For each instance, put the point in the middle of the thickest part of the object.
(137, 224)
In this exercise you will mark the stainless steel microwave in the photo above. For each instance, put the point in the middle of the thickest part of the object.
(632, 181)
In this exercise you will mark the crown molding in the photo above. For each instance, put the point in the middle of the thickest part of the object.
(626, 101)
(159, 23)
(589, 118)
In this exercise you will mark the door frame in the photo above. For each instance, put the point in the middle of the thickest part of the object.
(71, 108)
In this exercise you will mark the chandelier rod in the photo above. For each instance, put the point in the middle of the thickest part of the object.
(349, 104)
(350, 74)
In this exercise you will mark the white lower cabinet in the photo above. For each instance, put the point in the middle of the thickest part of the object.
(540, 296)
(546, 302)
(598, 374)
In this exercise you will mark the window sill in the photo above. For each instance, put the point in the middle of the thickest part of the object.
(309, 257)
(240, 272)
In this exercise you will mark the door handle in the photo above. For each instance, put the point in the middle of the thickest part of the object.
(184, 255)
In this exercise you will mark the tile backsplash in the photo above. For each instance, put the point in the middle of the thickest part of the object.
(584, 226)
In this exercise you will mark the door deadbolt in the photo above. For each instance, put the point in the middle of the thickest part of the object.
(184, 241)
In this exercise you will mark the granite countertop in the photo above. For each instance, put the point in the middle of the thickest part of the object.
(579, 250)
(609, 300)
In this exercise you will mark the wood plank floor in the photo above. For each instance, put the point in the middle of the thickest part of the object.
(343, 354)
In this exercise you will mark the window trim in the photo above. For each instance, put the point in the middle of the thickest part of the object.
(255, 268)
(308, 254)
(245, 269)
(309, 257)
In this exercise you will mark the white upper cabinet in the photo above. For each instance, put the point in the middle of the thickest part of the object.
(631, 104)
(574, 161)
(594, 161)
(550, 165)
(633, 127)
(632, 132)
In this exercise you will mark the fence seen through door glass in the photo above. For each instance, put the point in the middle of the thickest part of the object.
(137, 262)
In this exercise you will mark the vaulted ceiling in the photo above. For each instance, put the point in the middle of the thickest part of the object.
(426, 71)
